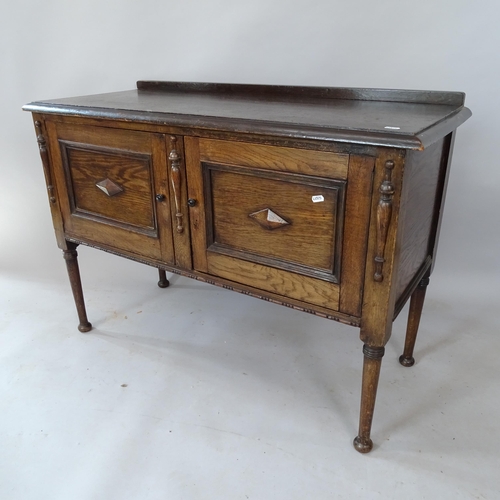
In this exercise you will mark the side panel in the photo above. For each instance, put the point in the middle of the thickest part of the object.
(420, 205)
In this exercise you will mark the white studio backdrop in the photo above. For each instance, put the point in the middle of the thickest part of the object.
(56, 48)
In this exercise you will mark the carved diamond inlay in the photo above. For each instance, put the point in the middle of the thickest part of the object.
(269, 219)
(109, 187)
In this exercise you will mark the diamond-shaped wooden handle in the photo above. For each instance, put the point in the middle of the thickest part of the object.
(269, 219)
(108, 187)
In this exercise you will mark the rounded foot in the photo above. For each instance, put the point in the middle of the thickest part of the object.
(163, 283)
(407, 361)
(362, 445)
(85, 327)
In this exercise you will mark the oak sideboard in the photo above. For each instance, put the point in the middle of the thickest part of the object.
(326, 200)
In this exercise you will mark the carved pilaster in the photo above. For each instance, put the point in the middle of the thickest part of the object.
(42, 146)
(384, 214)
(175, 175)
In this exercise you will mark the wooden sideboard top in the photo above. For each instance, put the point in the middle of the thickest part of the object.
(409, 119)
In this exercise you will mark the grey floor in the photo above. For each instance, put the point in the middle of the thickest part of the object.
(195, 392)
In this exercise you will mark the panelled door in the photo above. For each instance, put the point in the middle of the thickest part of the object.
(282, 220)
(117, 185)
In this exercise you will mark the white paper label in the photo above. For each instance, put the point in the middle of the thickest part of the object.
(318, 198)
(393, 128)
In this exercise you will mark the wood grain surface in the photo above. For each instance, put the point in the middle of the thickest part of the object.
(94, 153)
(306, 197)
(356, 223)
(283, 283)
(308, 238)
(422, 171)
(395, 118)
(317, 163)
(85, 166)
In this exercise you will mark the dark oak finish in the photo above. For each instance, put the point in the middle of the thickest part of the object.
(312, 244)
(416, 118)
(420, 187)
(357, 215)
(379, 297)
(426, 266)
(281, 159)
(297, 93)
(163, 281)
(135, 160)
(275, 280)
(175, 176)
(384, 214)
(41, 136)
(42, 145)
(125, 174)
(71, 257)
(326, 200)
(310, 237)
(178, 191)
(416, 306)
(442, 185)
(371, 372)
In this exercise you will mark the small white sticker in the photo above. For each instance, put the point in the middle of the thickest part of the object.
(393, 128)
(318, 198)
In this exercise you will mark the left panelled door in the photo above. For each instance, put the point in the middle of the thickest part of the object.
(113, 188)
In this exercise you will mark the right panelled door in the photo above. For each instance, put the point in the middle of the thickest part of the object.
(277, 219)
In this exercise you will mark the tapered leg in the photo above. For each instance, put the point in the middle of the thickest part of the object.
(371, 371)
(71, 257)
(416, 306)
(163, 283)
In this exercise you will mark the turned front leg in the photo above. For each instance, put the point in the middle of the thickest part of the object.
(71, 257)
(371, 371)
(414, 315)
(163, 281)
